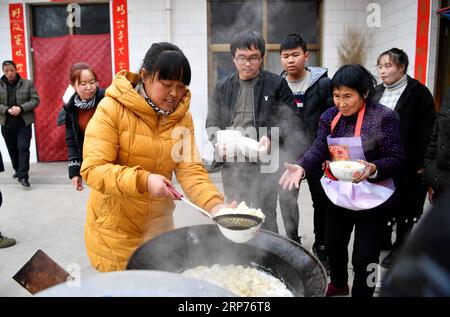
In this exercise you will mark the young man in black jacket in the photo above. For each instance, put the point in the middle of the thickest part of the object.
(260, 105)
(311, 89)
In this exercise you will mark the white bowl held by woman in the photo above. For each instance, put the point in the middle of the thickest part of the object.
(346, 170)
(249, 147)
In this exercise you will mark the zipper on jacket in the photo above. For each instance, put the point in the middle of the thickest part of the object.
(157, 140)
(254, 116)
(254, 110)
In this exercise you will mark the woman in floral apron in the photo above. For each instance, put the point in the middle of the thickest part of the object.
(356, 129)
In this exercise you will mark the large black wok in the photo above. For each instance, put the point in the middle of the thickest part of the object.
(189, 247)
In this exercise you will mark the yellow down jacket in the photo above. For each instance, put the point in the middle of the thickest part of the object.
(125, 141)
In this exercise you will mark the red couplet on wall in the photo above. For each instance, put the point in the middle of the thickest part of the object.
(17, 29)
(423, 28)
(120, 29)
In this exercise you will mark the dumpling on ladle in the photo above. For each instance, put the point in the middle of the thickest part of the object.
(242, 209)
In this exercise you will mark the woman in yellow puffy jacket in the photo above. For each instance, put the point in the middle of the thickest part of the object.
(141, 132)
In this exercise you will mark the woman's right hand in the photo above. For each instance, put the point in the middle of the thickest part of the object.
(158, 186)
(291, 176)
(77, 183)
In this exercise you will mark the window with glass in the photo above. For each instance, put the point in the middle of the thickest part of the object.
(274, 19)
(51, 20)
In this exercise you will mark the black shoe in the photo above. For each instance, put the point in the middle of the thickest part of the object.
(389, 259)
(24, 182)
(320, 252)
(15, 175)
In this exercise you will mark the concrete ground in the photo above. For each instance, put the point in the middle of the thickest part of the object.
(50, 216)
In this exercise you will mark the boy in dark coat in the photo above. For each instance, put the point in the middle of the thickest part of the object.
(311, 89)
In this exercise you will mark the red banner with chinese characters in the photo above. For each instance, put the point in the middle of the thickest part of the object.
(17, 29)
(423, 28)
(120, 27)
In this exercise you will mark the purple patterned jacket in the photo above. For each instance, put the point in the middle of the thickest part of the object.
(380, 134)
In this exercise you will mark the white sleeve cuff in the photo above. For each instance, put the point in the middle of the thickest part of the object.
(374, 175)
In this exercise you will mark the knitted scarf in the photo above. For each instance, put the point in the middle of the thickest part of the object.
(140, 89)
(84, 104)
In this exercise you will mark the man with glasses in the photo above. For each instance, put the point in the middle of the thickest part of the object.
(261, 105)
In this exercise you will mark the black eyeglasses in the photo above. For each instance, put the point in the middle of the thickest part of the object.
(253, 60)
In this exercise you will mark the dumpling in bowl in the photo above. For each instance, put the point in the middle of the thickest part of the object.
(346, 170)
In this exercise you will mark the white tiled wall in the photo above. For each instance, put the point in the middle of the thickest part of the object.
(337, 16)
(5, 36)
(433, 52)
(147, 25)
(397, 29)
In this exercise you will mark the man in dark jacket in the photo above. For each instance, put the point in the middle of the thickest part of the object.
(437, 159)
(311, 88)
(261, 105)
(18, 98)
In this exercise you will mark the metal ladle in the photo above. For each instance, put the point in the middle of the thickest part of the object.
(236, 227)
